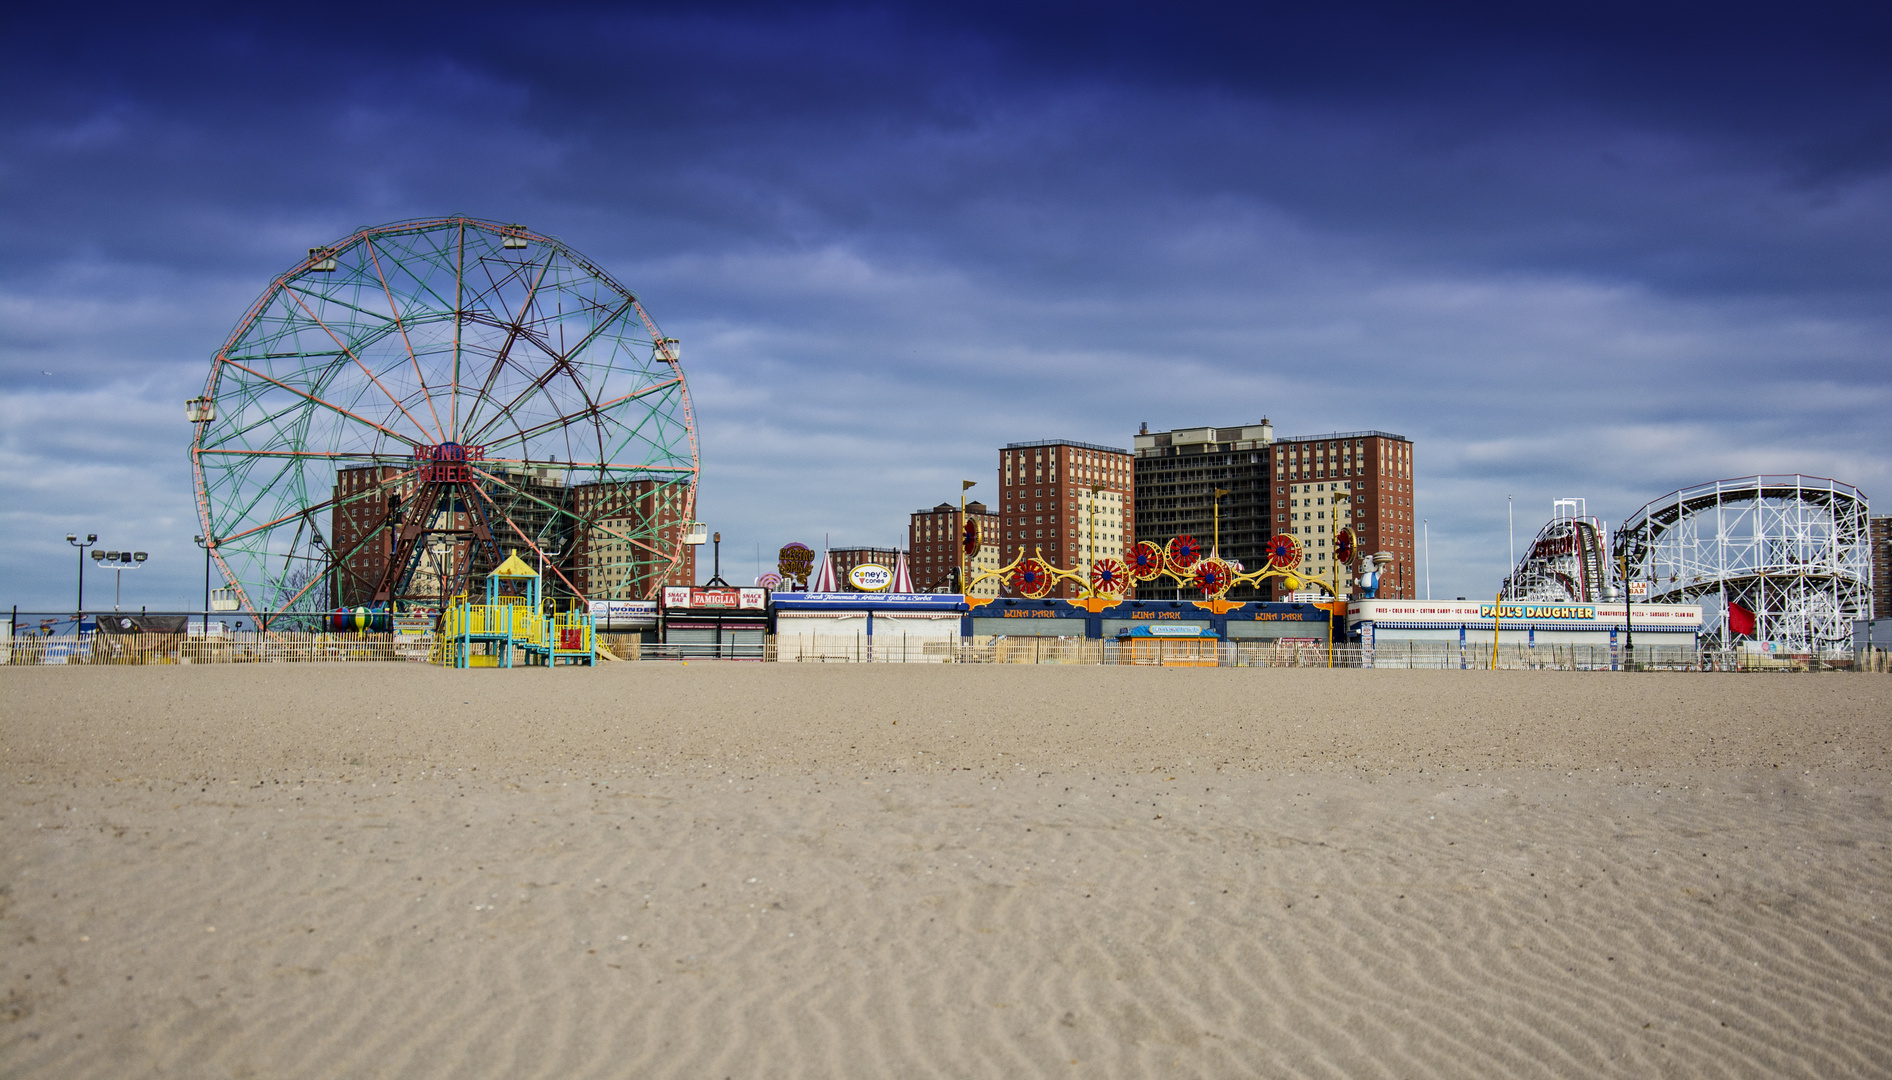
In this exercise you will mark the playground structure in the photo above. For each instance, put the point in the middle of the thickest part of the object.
(398, 408)
(513, 624)
(1566, 564)
(1784, 561)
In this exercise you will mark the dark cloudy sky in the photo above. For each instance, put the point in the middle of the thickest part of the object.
(1571, 250)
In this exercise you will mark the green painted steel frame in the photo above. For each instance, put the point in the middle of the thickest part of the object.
(435, 331)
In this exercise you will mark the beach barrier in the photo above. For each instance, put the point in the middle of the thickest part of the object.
(233, 648)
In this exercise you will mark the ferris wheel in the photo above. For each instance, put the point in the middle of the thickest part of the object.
(405, 407)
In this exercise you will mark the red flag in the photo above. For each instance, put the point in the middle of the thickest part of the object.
(1740, 619)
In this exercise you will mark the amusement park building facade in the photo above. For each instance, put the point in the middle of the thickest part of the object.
(1071, 502)
(934, 536)
(1274, 486)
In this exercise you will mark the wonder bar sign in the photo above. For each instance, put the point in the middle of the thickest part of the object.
(1586, 612)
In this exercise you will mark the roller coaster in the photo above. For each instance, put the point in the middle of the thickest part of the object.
(1780, 560)
(1566, 564)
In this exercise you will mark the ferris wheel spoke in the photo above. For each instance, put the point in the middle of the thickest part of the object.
(514, 329)
(596, 411)
(351, 354)
(561, 364)
(323, 403)
(339, 455)
(400, 324)
(304, 509)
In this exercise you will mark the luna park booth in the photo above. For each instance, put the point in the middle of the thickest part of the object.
(708, 622)
(867, 627)
(1049, 628)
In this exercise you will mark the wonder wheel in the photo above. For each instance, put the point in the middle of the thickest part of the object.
(406, 406)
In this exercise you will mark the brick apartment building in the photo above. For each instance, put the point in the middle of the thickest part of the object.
(1073, 502)
(933, 536)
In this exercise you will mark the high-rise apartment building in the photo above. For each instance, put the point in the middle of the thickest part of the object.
(1370, 472)
(1271, 486)
(1177, 475)
(934, 537)
(1073, 502)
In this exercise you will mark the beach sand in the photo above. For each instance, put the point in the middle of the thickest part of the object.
(728, 870)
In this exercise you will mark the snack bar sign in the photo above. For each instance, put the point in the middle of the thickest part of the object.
(679, 596)
(1586, 612)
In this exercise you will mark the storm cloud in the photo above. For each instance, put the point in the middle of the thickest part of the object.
(1603, 253)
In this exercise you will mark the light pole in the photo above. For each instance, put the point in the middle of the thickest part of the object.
(204, 543)
(1336, 621)
(73, 539)
(1629, 616)
(120, 561)
(716, 573)
(549, 611)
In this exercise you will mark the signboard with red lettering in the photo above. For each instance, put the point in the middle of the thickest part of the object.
(715, 597)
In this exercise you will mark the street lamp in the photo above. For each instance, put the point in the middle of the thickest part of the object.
(73, 539)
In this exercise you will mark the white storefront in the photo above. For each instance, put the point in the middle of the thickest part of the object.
(1388, 626)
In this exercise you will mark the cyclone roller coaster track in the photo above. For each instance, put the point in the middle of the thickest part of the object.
(1791, 553)
(1566, 563)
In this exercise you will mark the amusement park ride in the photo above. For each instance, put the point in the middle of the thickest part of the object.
(1108, 580)
(1781, 562)
(404, 405)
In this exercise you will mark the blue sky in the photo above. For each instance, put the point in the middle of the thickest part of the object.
(1604, 251)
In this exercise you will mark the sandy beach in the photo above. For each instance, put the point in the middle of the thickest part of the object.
(729, 870)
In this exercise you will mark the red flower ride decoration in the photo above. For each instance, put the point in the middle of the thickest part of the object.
(1345, 547)
(1147, 561)
(1184, 551)
(1284, 552)
(1110, 576)
(1033, 579)
(971, 541)
(1213, 577)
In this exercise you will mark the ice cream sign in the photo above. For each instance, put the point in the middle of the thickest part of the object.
(870, 577)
